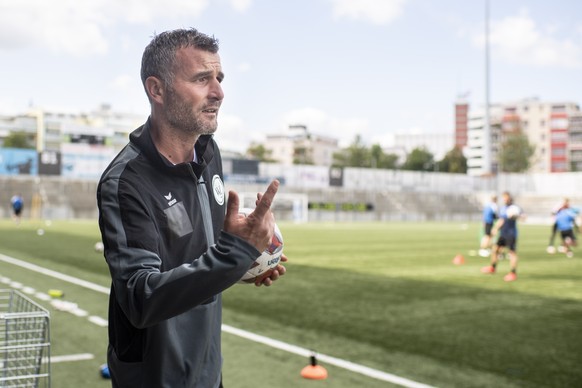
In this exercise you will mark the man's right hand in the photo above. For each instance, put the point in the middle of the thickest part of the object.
(258, 227)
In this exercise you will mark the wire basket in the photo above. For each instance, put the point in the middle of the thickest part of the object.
(24, 342)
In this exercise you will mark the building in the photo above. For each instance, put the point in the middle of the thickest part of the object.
(437, 143)
(461, 123)
(49, 130)
(476, 140)
(78, 145)
(299, 146)
(575, 141)
(546, 125)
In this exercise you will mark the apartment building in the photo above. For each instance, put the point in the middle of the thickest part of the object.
(551, 127)
(299, 146)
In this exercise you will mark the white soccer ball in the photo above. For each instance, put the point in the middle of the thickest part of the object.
(99, 247)
(513, 211)
(269, 259)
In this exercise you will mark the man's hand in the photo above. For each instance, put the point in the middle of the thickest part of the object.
(278, 271)
(258, 227)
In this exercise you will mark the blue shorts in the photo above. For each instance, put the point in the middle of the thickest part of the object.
(509, 242)
(488, 227)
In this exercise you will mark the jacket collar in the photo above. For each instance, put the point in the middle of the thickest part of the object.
(142, 139)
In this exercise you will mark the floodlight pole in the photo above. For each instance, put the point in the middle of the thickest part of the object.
(487, 118)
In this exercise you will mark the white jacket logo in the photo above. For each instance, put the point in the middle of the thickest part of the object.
(218, 189)
(170, 200)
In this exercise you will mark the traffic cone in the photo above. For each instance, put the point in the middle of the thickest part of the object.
(459, 260)
(314, 371)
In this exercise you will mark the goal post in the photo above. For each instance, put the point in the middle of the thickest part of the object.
(286, 206)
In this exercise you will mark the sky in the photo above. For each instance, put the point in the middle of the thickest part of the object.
(342, 67)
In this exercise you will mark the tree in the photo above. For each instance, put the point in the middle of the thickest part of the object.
(356, 155)
(419, 159)
(515, 153)
(454, 161)
(259, 152)
(379, 159)
(18, 140)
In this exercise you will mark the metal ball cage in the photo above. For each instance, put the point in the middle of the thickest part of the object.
(24, 342)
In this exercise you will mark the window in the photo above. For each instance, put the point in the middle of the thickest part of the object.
(559, 123)
(559, 137)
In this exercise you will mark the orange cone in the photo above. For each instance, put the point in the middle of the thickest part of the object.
(459, 260)
(314, 371)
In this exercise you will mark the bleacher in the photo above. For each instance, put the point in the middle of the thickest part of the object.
(383, 195)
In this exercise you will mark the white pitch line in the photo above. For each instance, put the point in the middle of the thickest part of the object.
(71, 357)
(55, 274)
(98, 321)
(363, 370)
(348, 365)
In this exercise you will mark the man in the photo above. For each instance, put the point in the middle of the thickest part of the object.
(170, 247)
(507, 228)
(551, 249)
(17, 204)
(489, 217)
(565, 223)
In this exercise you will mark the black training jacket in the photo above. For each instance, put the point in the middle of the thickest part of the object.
(169, 260)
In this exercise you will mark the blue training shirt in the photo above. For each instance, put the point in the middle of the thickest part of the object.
(509, 227)
(490, 213)
(565, 219)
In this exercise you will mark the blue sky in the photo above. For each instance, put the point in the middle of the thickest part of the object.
(343, 67)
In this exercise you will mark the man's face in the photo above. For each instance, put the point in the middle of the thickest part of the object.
(194, 98)
(506, 199)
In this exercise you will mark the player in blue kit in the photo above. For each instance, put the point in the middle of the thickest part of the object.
(489, 217)
(565, 223)
(507, 228)
(551, 249)
(17, 204)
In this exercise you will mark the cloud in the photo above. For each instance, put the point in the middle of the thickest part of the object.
(80, 28)
(320, 123)
(146, 11)
(519, 40)
(123, 82)
(243, 67)
(377, 12)
(59, 26)
(228, 134)
(317, 121)
(241, 5)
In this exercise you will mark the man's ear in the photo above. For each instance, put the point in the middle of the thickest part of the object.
(155, 89)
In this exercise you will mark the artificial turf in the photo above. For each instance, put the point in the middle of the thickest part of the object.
(384, 295)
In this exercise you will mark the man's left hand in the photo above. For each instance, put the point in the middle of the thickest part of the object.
(276, 274)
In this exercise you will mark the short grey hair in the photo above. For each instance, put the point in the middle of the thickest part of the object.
(160, 54)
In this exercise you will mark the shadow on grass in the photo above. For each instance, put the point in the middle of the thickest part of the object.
(73, 251)
(528, 340)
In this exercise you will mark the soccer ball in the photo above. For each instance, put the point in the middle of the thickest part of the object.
(99, 247)
(263, 266)
(513, 211)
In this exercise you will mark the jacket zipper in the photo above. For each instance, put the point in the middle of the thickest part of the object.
(205, 210)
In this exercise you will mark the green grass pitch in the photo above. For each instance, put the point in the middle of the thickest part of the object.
(383, 295)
